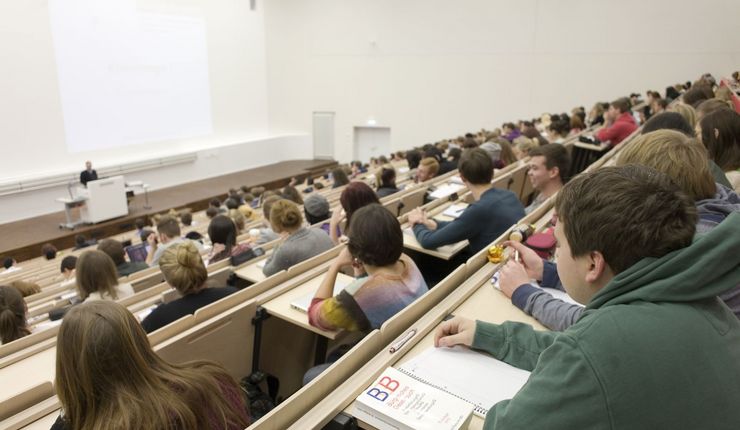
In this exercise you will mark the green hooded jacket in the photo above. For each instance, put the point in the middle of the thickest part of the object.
(655, 349)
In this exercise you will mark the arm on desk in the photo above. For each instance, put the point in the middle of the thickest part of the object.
(447, 232)
(517, 344)
(553, 313)
(579, 403)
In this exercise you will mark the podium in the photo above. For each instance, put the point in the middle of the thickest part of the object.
(104, 199)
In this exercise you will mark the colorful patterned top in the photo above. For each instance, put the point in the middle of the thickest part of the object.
(368, 302)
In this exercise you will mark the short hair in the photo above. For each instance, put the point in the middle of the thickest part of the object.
(697, 94)
(475, 166)
(622, 104)
(661, 102)
(186, 218)
(222, 230)
(626, 213)
(257, 191)
(211, 212)
(291, 193)
(169, 226)
(232, 203)
(387, 177)
(68, 263)
(375, 237)
(680, 157)
(668, 121)
(140, 223)
(454, 154)
(284, 215)
(95, 271)
(555, 156)
(356, 195)
(724, 148)
(216, 203)
(49, 251)
(183, 268)
(145, 233)
(8, 262)
(114, 249)
(431, 163)
(525, 144)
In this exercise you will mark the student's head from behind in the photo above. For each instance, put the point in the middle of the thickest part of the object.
(67, 267)
(339, 177)
(140, 223)
(720, 134)
(428, 168)
(708, 106)
(183, 268)
(375, 237)
(548, 164)
(26, 288)
(211, 212)
(668, 121)
(80, 240)
(222, 230)
(8, 262)
(285, 216)
(387, 178)
(95, 271)
(356, 195)
(49, 251)
(476, 167)
(522, 146)
(292, 194)
(618, 107)
(114, 249)
(612, 218)
(413, 158)
(686, 111)
(186, 218)
(12, 315)
(108, 376)
(680, 157)
(316, 208)
(168, 228)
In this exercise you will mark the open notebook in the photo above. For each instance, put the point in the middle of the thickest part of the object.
(475, 377)
(304, 302)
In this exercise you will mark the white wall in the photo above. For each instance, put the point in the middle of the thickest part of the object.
(209, 163)
(431, 69)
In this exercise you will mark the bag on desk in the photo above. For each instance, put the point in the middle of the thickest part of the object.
(542, 243)
(245, 256)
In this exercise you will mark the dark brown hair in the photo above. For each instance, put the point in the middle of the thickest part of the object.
(555, 156)
(724, 149)
(475, 166)
(95, 271)
(375, 237)
(12, 315)
(625, 213)
(622, 104)
(356, 195)
(114, 249)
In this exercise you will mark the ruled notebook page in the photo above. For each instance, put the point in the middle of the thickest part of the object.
(472, 376)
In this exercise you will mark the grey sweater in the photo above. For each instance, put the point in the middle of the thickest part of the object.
(299, 246)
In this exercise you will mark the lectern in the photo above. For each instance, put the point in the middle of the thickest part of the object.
(104, 199)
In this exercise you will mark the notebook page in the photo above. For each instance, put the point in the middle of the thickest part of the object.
(473, 376)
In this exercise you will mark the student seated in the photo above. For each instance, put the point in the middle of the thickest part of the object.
(168, 233)
(301, 243)
(183, 269)
(720, 133)
(492, 213)
(549, 166)
(222, 232)
(386, 179)
(339, 177)
(670, 152)
(354, 196)
(115, 251)
(49, 251)
(428, 169)
(655, 345)
(67, 268)
(108, 377)
(619, 123)
(316, 209)
(13, 324)
(97, 278)
(386, 279)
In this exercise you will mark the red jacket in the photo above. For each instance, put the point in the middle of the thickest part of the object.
(623, 126)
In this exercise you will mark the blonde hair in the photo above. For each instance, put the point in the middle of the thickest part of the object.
(686, 111)
(678, 156)
(95, 271)
(724, 94)
(183, 268)
(238, 218)
(26, 288)
(284, 215)
(248, 212)
(108, 377)
(525, 144)
(430, 163)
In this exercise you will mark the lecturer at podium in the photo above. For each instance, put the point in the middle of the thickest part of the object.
(88, 174)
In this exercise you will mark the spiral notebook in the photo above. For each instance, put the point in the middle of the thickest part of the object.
(475, 377)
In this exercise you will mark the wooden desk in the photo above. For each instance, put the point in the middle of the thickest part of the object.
(43, 423)
(252, 272)
(445, 252)
(280, 306)
(27, 373)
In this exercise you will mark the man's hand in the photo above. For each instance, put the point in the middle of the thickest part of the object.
(417, 216)
(511, 277)
(530, 260)
(457, 331)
